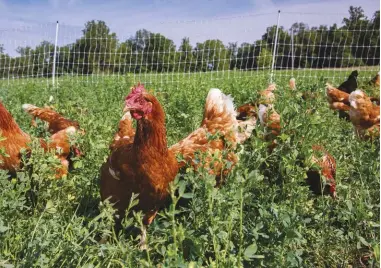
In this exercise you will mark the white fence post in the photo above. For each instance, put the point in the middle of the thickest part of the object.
(275, 47)
(55, 55)
(292, 52)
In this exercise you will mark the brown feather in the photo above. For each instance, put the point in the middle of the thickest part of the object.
(365, 116)
(56, 122)
(16, 139)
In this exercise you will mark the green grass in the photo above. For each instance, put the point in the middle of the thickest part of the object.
(263, 215)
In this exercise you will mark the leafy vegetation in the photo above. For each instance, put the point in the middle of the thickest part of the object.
(264, 216)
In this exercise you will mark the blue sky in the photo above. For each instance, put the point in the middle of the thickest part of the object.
(27, 22)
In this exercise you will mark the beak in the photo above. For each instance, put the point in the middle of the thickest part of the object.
(126, 109)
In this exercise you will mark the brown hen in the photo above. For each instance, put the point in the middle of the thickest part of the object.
(142, 163)
(14, 139)
(364, 115)
(327, 166)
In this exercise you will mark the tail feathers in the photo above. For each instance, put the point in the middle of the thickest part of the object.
(219, 111)
(29, 107)
(219, 102)
(56, 121)
(44, 114)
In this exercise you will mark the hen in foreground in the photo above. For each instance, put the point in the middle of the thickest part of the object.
(143, 164)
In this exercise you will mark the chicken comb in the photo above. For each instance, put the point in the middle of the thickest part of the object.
(136, 90)
(150, 91)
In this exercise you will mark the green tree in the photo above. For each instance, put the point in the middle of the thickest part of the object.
(152, 52)
(185, 58)
(246, 56)
(160, 53)
(24, 51)
(264, 59)
(96, 50)
(37, 62)
(371, 54)
(283, 55)
(123, 62)
(4, 62)
(212, 55)
(233, 52)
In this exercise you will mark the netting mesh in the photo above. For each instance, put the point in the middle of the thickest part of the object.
(290, 48)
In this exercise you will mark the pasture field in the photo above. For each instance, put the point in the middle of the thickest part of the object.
(264, 216)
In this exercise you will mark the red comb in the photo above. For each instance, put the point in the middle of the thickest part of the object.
(139, 88)
(136, 90)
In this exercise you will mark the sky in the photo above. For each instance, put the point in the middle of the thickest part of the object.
(28, 22)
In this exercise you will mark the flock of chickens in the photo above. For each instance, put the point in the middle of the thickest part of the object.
(142, 163)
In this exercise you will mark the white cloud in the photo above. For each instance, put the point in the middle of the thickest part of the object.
(173, 18)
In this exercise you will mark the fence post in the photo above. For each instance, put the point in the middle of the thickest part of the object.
(292, 52)
(275, 47)
(55, 55)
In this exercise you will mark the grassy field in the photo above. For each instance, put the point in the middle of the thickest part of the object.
(263, 217)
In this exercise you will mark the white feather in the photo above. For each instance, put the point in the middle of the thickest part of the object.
(28, 107)
(353, 97)
(70, 130)
(220, 101)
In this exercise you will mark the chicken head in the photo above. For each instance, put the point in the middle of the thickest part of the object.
(137, 103)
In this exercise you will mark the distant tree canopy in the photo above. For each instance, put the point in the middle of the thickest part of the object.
(355, 43)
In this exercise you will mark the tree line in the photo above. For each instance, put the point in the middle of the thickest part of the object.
(355, 43)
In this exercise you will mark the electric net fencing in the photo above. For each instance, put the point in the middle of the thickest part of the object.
(300, 45)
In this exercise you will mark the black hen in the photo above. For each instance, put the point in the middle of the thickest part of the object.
(351, 84)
